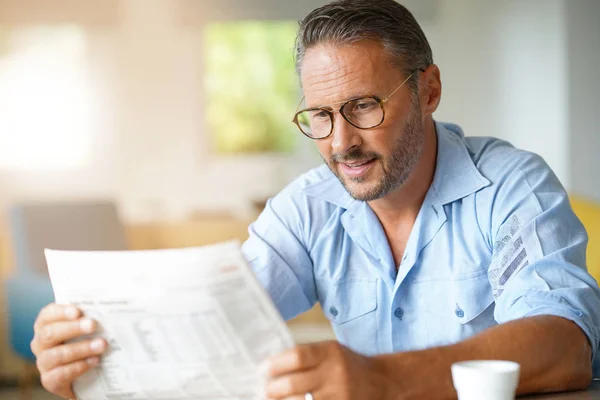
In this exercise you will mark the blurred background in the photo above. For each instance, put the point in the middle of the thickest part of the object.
(175, 114)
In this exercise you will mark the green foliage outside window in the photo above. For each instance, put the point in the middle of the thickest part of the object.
(250, 85)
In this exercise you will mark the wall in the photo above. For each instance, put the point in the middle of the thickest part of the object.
(583, 38)
(97, 177)
(503, 66)
(504, 72)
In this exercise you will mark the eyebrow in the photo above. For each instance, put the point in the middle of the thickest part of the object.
(350, 98)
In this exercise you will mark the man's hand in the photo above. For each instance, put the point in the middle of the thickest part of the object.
(59, 363)
(328, 370)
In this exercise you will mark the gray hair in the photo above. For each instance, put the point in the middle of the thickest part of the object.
(348, 21)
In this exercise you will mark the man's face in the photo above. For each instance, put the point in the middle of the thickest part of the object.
(369, 163)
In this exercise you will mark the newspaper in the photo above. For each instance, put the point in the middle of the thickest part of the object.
(181, 324)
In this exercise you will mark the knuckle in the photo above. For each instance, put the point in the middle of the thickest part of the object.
(47, 310)
(340, 371)
(51, 357)
(337, 351)
(288, 385)
(298, 358)
(43, 361)
(77, 369)
(37, 325)
(46, 335)
(33, 345)
(56, 356)
(334, 347)
(39, 365)
(63, 375)
(65, 354)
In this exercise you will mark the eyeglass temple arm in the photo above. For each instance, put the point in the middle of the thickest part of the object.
(298, 107)
(402, 84)
(398, 88)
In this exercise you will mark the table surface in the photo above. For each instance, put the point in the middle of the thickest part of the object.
(593, 392)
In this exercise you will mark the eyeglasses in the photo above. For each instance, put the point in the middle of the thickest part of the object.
(362, 113)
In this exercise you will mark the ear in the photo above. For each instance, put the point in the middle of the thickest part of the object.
(430, 87)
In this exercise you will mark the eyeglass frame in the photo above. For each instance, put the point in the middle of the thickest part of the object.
(381, 102)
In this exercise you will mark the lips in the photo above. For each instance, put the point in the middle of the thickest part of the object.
(357, 169)
(357, 164)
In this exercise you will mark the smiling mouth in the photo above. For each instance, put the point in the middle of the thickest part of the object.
(356, 170)
(358, 164)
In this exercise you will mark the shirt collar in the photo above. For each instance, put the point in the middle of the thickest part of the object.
(456, 176)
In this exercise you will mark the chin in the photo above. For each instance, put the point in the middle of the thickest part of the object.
(362, 191)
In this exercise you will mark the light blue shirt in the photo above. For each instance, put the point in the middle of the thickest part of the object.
(495, 240)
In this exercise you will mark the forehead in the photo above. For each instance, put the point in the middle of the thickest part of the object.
(333, 73)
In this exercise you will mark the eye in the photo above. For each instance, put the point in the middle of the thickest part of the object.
(365, 105)
(319, 114)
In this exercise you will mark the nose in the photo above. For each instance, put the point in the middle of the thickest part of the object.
(345, 136)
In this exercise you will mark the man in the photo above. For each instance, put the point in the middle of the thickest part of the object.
(423, 247)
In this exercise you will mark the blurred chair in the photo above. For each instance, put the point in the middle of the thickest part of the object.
(589, 213)
(60, 226)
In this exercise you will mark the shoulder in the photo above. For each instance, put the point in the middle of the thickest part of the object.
(510, 168)
(523, 188)
(303, 207)
(308, 201)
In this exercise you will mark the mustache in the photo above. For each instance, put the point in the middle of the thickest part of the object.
(354, 155)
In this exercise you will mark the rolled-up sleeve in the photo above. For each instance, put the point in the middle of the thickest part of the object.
(276, 252)
(539, 262)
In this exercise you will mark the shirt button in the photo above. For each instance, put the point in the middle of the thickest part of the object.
(333, 311)
(399, 313)
(459, 313)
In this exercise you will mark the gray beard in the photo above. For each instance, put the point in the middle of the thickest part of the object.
(397, 167)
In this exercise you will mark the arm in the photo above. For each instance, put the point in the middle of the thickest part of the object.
(547, 306)
(554, 353)
(278, 255)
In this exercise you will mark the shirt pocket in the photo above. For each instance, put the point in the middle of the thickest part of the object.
(350, 306)
(456, 309)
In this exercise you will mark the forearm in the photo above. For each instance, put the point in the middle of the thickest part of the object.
(554, 353)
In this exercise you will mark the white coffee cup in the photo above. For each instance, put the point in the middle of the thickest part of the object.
(485, 379)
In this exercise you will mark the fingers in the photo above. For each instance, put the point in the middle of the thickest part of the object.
(59, 380)
(294, 360)
(69, 353)
(49, 315)
(55, 333)
(60, 364)
(56, 312)
(297, 384)
(299, 397)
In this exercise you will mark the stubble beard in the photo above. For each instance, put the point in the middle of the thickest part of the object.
(396, 167)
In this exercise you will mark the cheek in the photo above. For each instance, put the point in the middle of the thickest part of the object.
(381, 140)
(324, 147)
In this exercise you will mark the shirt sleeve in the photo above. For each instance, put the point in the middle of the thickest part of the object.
(538, 265)
(278, 256)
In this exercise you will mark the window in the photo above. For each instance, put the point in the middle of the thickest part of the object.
(45, 103)
(250, 85)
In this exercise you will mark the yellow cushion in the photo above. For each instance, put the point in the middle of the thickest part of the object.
(589, 213)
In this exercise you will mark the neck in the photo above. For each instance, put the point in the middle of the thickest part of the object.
(406, 201)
